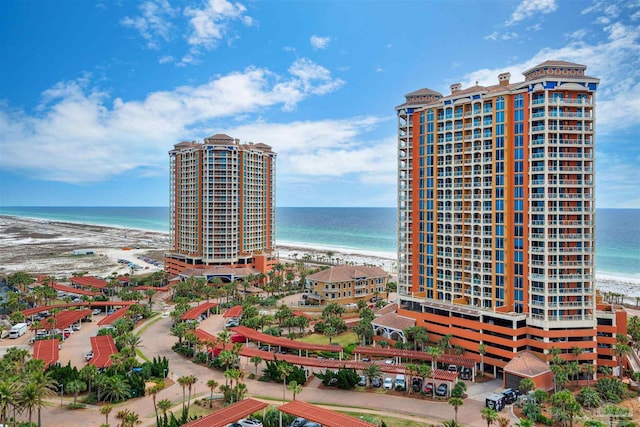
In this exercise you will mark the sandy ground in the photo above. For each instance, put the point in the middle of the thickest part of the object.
(46, 247)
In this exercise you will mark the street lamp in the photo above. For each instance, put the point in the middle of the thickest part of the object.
(165, 372)
(61, 392)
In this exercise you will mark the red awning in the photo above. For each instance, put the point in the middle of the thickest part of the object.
(110, 318)
(233, 312)
(47, 351)
(103, 347)
(254, 335)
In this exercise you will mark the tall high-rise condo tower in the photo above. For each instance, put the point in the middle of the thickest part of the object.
(222, 205)
(496, 193)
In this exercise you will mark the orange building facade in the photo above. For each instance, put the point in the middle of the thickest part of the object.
(496, 193)
(222, 205)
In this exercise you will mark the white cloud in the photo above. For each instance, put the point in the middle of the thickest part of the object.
(389, 46)
(379, 69)
(165, 58)
(77, 132)
(615, 60)
(210, 24)
(501, 36)
(319, 42)
(528, 8)
(326, 148)
(153, 24)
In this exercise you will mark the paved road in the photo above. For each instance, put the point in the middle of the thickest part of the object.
(156, 341)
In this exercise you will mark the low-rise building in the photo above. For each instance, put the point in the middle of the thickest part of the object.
(346, 284)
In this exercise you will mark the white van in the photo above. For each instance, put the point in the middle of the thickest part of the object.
(401, 382)
(18, 330)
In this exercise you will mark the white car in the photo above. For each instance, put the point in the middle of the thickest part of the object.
(88, 356)
(246, 422)
(165, 314)
(388, 383)
(68, 330)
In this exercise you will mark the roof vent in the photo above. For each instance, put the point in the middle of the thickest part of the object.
(456, 87)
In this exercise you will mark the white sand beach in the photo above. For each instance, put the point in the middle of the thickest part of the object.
(46, 247)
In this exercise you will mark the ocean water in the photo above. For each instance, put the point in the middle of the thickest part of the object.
(353, 229)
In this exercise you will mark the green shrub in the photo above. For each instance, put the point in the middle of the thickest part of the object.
(544, 420)
(76, 406)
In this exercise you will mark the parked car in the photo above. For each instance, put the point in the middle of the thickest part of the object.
(510, 396)
(366, 359)
(248, 422)
(75, 327)
(465, 374)
(428, 388)
(68, 330)
(96, 311)
(238, 338)
(362, 381)
(88, 356)
(302, 422)
(376, 382)
(388, 383)
(452, 368)
(442, 390)
(389, 361)
(416, 384)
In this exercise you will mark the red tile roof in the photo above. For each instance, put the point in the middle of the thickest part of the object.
(394, 321)
(110, 318)
(196, 311)
(527, 364)
(47, 351)
(322, 416)
(103, 347)
(346, 273)
(228, 415)
(233, 312)
(389, 308)
(91, 281)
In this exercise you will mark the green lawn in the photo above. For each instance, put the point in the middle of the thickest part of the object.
(343, 339)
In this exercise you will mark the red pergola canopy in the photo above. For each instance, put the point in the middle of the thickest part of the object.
(103, 347)
(110, 318)
(47, 351)
(228, 415)
(411, 354)
(196, 311)
(235, 311)
(323, 416)
(254, 335)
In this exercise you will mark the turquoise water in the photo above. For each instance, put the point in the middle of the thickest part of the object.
(364, 229)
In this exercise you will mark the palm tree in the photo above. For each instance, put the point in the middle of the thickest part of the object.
(106, 410)
(589, 369)
(456, 402)
(331, 332)
(7, 397)
(153, 391)
(372, 371)
(190, 382)
(89, 374)
(164, 405)
(482, 349)
(503, 421)
(256, 360)
(294, 388)
(621, 349)
(183, 383)
(212, 384)
(115, 389)
(284, 370)
(75, 387)
(40, 387)
(489, 415)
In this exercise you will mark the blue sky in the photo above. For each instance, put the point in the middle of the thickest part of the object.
(94, 94)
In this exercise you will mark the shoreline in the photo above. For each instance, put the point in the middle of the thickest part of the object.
(33, 245)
